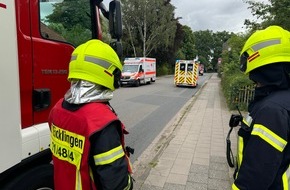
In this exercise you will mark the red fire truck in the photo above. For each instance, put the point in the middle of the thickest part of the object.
(37, 38)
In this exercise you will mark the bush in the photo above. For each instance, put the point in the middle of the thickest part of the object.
(238, 90)
(164, 69)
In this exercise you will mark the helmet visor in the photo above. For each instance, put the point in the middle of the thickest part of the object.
(243, 61)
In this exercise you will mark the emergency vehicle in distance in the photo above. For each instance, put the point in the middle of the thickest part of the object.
(186, 73)
(138, 70)
(36, 41)
(200, 69)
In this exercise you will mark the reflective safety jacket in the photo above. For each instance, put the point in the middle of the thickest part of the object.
(263, 154)
(71, 146)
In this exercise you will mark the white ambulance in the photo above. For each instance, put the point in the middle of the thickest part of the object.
(138, 70)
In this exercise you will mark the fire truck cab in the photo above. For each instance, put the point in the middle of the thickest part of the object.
(37, 38)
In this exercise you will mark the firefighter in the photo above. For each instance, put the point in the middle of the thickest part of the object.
(263, 149)
(87, 138)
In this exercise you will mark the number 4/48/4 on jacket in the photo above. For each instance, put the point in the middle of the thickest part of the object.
(87, 143)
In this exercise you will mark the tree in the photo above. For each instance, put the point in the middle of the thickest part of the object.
(204, 46)
(188, 44)
(219, 39)
(232, 48)
(273, 12)
(148, 25)
(70, 13)
(71, 19)
(209, 46)
(166, 57)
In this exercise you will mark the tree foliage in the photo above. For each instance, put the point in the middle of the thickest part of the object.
(219, 39)
(204, 42)
(166, 57)
(148, 25)
(272, 12)
(187, 49)
(231, 53)
(232, 78)
(71, 19)
(209, 46)
(71, 13)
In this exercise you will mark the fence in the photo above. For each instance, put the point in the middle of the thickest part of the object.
(242, 97)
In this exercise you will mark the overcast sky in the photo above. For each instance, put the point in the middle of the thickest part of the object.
(215, 15)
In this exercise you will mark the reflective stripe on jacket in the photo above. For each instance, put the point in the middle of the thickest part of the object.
(263, 152)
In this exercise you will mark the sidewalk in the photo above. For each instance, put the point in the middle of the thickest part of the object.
(190, 153)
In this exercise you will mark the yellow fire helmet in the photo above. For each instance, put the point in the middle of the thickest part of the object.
(94, 61)
(271, 45)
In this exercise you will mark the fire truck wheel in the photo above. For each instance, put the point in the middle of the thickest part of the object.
(40, 177)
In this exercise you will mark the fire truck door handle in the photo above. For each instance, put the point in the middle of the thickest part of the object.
(41, 99)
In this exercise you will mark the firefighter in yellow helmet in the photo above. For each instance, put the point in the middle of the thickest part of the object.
(263, 147)
(87, 138)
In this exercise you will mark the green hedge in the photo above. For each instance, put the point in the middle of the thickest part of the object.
(164, 69)
(232, 86)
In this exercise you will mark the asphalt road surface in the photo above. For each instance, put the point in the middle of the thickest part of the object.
(147, 109)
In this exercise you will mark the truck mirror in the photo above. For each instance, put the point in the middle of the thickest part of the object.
(117, 46)
(115, 19)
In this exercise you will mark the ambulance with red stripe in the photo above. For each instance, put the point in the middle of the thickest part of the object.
(138, 70)
(186, 73)
(37, 38)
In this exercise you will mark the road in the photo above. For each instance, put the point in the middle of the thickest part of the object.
(147, 109)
